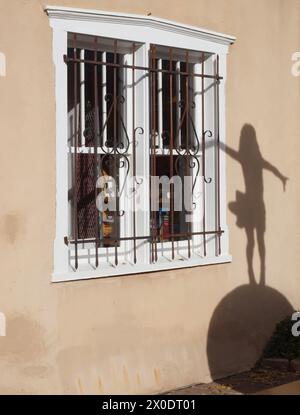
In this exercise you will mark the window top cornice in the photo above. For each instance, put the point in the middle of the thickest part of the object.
(151, 22)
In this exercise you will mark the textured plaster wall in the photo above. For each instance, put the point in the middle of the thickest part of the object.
(151, 332)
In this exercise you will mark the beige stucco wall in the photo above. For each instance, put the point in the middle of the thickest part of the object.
(152, 332)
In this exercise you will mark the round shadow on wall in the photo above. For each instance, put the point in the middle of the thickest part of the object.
(241, 325)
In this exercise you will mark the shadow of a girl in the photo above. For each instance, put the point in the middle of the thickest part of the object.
(249, 207)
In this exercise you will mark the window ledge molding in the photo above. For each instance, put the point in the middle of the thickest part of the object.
(137, 269)
(150, 22)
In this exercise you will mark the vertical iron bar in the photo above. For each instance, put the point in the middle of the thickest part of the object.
(218, 159)
(152, 76)
(133, 150)
(154, 145)
(104, 110)
(187, 138)
(171, 161)
(178, 100)
(96, 130)
(103, 135)
(116, 158)
(152, 86)
(75, 210)
(82, 98)
(203, 154)
(159, 105)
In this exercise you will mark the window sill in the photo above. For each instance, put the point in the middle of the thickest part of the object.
(111, 271)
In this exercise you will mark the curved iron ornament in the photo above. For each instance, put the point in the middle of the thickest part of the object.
(209, 134)
(140, 131)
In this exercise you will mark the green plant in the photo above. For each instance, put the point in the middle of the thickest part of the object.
(282, 343)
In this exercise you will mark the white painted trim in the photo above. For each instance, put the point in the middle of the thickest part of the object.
(61, 252)
(149, 22)
(111, 271)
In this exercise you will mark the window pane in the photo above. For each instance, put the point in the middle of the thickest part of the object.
(91, 221)
(72, 105)
(92, 98)
(91, 103)
(109, 220)
(164, 215)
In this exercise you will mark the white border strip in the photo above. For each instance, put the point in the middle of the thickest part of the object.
(123, 270)
(152, 22)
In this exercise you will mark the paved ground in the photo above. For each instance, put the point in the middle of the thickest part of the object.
(292, 388)
(255, 381)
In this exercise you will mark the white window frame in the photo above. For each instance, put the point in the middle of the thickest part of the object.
(147, 30)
